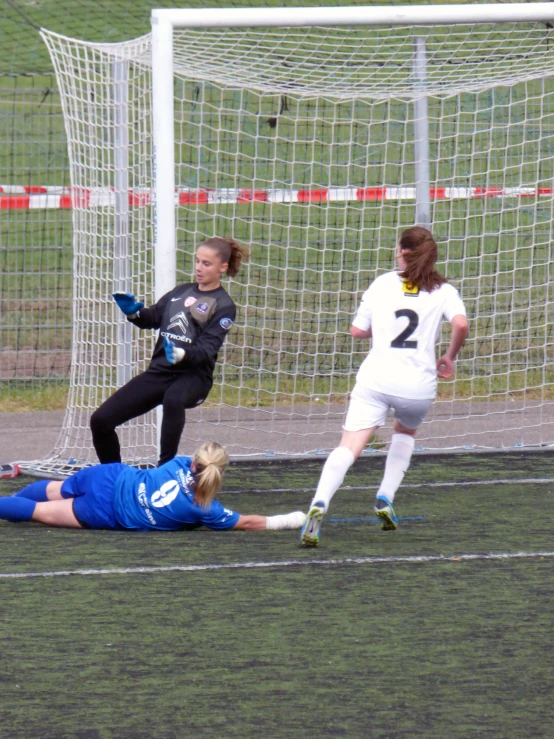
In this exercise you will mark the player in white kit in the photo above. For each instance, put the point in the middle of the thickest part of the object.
(402, 313)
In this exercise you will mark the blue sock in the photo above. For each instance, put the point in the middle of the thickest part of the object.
(16, 509)
(34, 491)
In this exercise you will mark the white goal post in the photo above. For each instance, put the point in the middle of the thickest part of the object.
(315, 135)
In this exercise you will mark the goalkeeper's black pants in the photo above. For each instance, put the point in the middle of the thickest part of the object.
(175, 391)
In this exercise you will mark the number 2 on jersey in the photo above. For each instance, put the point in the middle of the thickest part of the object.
(401, 340)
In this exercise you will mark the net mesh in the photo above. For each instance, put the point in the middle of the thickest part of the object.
(300, 143)
(35, 244)
(375, 63)
(106, 105)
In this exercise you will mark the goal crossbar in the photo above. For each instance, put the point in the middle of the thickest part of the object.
(389, 15)
(164, 21)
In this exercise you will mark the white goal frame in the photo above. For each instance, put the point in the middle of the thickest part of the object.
(164, 21)
(221, 75)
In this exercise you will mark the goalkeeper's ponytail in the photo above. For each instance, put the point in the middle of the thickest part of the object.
(210, 461)
(419, 252)
(229, 251)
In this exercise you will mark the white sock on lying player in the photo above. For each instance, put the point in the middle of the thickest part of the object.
(294, 520)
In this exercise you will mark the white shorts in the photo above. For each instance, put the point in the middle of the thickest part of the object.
(368, 409)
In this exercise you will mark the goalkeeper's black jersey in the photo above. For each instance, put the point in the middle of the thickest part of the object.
(196, 320)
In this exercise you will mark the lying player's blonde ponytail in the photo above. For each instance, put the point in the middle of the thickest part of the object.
(210, 461)
(229, 251)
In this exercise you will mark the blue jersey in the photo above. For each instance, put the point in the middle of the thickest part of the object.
(163, 498)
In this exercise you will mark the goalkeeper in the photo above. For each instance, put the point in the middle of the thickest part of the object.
(194, 320)
(179, 495)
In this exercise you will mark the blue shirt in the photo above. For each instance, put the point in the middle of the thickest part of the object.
(163, 498)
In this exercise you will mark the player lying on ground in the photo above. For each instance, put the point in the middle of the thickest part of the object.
(178, 495)
(402, 313)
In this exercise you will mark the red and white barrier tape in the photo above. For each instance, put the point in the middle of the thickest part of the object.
(24, 197)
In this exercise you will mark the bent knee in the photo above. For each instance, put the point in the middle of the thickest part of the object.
(99, 421)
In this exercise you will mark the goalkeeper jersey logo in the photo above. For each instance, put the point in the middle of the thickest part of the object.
(180, 322)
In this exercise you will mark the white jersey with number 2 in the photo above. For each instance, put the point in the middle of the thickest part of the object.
(405, 324)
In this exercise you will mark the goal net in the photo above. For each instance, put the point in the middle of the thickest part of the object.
(303, 143)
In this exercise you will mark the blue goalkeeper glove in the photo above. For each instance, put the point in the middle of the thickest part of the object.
(173, 353)
(128, 303)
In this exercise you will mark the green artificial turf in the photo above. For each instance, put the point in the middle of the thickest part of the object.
(319, 644)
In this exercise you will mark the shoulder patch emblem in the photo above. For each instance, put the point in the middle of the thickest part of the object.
(226, 323)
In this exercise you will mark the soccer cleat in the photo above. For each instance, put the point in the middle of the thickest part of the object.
(385, 511)
(309, 536)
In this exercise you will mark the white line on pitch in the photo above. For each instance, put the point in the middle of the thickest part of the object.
(467, 483)
(285, 563)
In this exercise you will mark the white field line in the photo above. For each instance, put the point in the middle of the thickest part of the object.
(285, 563)
(468, 483)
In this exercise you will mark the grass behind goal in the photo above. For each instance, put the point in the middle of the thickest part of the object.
(499, 248)
(327, 642)
(331, 276)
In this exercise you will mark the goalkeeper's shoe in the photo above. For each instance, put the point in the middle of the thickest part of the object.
(309, 536)
(385, 511)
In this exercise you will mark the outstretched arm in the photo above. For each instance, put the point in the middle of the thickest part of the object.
(128, 304)
(294, 520)
(150, 317)
(251, 523)
(460, 329)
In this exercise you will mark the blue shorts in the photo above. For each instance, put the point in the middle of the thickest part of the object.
(92, 490)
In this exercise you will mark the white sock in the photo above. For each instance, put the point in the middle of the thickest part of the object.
(332, 475)
(398, 461)
(294, 520)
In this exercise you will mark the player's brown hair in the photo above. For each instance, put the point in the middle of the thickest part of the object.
(229, 251)
(419, 251)
(210, 461)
